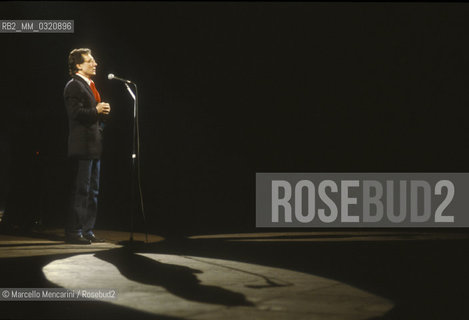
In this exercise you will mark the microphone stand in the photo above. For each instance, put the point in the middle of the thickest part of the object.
(134, 173)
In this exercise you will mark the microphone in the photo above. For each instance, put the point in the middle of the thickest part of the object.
(113, 77)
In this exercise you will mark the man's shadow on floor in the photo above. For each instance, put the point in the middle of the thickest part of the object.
(178, 280)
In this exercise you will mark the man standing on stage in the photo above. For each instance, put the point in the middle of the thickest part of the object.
(85, 113)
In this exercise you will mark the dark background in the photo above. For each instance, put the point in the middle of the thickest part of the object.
(230, 89)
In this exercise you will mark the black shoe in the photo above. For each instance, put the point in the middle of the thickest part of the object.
(92, 238)
(77, 239)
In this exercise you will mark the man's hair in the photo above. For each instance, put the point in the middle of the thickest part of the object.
(76, 57)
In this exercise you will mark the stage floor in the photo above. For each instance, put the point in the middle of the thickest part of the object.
(275, 275)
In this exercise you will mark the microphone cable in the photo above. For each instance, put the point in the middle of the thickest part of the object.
(139, 178)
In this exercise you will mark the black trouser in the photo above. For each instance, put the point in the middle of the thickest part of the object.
(84, 197)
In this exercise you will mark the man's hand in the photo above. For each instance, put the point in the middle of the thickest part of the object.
(103, 108)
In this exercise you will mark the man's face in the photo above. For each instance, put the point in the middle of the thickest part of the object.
(88, 67)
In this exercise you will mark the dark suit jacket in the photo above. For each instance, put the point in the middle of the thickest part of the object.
(85, 132)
